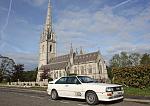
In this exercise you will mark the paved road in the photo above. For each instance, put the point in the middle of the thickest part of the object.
(20, 97)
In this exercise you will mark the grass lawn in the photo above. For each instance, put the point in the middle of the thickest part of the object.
(3, 84)
(137, 91)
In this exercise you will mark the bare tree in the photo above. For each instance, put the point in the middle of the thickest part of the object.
(6, 68)
(125, 59)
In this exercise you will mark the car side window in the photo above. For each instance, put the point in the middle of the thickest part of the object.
(72, 80)
(61, 81)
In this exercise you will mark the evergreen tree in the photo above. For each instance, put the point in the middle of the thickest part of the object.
(145, 59)
(18, 73)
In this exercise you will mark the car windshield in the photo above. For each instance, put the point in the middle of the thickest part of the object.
(86, 79)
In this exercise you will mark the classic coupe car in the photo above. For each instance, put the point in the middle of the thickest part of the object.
(84, 87)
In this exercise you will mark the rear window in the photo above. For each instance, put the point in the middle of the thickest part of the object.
(61, 81)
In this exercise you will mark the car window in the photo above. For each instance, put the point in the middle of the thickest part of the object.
(86, 79)
(61, 80)
(72, 80)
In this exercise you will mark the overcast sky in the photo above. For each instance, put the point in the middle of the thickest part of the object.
(110, 26)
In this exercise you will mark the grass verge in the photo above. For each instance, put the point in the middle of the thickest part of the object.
(130, 91)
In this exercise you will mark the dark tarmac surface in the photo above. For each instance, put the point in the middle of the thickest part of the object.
(20, 97)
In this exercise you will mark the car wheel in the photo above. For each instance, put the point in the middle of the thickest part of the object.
(54, 95)
(91, 98)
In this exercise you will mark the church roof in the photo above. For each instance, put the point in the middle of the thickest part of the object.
(61, 62)
(63, 58)
(55, 66)
(86, 57)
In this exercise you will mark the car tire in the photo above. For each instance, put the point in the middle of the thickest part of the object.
(54, 95)
(91, 98)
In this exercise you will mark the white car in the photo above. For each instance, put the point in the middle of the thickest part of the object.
(84, 87)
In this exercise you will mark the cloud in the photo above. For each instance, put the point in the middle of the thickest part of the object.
(3, 9)
(36, 2)
(142, 48)
(6, 22)
(29, 60)
(120, 4)
(103, 29)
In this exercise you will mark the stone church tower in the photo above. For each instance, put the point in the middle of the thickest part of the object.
(88, 64)
(47, 48)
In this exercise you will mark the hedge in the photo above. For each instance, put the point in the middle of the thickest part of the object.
(136, 76)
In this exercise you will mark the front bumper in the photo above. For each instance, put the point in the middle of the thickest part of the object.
(115, 96)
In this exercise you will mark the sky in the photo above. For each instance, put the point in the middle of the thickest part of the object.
(110, 26)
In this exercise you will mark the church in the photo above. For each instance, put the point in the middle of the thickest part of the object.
(74, 63)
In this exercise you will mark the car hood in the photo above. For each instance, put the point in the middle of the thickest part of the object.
(102, 84)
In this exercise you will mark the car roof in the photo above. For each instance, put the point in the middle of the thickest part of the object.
(75, 76)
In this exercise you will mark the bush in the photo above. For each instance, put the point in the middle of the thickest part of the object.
(137, 76)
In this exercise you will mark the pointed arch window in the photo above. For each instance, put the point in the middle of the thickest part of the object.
(82, 70)
(100, 69)
(90, 69)
(43, 48)
(50, 48)
(75, 70)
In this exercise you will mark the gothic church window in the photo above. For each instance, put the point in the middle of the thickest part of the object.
(100, 69)
(57, 74)
(64, 73)
(50, 48)
(60, 74)
(82, 70)
(43, 48)
(75, 70)
(90, 69)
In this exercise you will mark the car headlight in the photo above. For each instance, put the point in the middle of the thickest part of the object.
(121, 88)
(109, 89)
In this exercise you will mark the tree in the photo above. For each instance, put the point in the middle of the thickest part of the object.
(120, 60)
(134, 59)
(6, 68)
(1, 75)
(45, 75)
(124, 59)
(18, 72)
(30, 75)
(145, 59)
(115, 61)
(109, 71)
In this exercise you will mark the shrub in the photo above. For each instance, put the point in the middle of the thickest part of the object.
(137, 76)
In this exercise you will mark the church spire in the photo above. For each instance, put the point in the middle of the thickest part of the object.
(71, 49)
(81, 50)
(48, 23)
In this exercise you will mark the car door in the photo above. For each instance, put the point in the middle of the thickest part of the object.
(73, 87)
(60, 86)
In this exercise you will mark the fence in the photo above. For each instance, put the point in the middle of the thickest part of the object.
(30, 84)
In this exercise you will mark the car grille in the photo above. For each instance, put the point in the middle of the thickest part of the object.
(116, 88)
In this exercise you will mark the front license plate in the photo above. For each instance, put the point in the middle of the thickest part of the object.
(119, 93)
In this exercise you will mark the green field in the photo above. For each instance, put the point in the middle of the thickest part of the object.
(137, 91)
